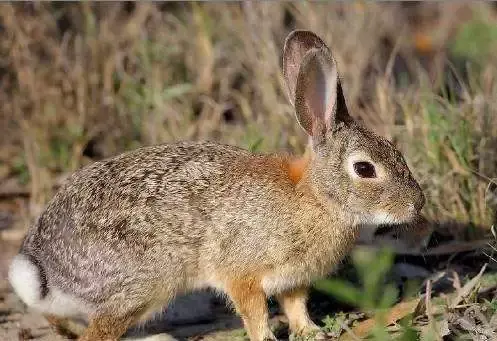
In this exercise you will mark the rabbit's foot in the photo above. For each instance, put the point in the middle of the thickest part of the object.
(311, 333)
(157, 337)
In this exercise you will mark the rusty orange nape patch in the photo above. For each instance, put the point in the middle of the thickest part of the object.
(297, 167)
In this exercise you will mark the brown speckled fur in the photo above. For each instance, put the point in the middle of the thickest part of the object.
(125, 235)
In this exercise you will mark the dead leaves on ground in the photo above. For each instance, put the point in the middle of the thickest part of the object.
(396, 313)
(462, 312)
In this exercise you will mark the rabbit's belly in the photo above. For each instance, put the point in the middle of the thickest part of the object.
(285, 279)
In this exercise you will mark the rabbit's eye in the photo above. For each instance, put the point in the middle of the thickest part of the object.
(364, 169)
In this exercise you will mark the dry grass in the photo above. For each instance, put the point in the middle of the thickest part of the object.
(83, 81)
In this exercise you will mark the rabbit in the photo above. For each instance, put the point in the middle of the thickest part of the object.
(125, 235)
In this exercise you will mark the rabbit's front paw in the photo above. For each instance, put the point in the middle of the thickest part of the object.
(310, 335)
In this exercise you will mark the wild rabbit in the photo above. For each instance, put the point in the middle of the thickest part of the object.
(125, 235)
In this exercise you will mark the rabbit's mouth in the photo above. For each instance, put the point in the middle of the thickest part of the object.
(385, 218)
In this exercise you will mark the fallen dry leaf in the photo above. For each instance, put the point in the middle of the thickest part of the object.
(396, 313)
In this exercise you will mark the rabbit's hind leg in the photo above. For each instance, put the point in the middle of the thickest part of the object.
(65, 326)
(107, 328)
(112, 324)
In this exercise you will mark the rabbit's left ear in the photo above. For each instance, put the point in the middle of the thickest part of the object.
(297, 44)
(313, 83)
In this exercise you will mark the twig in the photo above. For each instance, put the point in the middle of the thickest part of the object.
(428, 305)
(466, 289)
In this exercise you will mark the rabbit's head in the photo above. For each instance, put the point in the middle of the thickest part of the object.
(350, 166)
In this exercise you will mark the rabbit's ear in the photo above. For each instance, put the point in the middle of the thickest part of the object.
(319, 101)
(297, 44)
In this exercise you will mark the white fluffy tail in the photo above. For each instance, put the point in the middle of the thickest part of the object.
(24, 276)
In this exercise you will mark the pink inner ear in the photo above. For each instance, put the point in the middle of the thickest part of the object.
(315, 95)
(320, 93)
(297, 44)
(331, 97)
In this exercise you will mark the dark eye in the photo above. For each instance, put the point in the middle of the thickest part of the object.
(364, 169)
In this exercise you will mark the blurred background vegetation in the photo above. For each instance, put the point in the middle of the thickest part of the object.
(84, 81)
